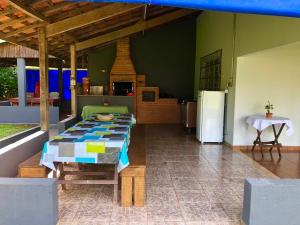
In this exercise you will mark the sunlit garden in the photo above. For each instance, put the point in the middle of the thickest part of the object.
(7, 130)
(9, 89)
(8, 83)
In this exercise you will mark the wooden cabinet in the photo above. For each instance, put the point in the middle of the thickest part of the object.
(154, 110)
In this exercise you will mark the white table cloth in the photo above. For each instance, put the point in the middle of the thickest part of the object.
(261, 122)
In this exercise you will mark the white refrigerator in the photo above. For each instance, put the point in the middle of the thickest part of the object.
(210, 116)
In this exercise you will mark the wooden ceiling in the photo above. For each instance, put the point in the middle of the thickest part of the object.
(69, 22)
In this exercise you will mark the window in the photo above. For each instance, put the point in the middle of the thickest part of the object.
(210, 71)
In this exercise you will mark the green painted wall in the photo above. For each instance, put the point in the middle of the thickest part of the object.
(254, 33)
(214, 32)
(166, 55)
(100, 63)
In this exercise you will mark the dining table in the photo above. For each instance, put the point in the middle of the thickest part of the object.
(90, 141)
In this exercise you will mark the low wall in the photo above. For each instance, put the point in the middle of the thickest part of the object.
(66, 123)
(271, 202)
(12, 155)
(26, 201)
(15, 114)
(4, 103)
(11, 139)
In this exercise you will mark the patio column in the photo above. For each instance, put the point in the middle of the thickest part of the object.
(21, 72)
(60, 84)
(73, 80)
(44, 86)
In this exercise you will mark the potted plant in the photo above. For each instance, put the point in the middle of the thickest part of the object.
(269, 107)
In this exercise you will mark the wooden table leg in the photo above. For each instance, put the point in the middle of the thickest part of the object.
(257, 142)
(276, 137)
(261, 147)
(139, 191)
(61, 175)
(116, 190)
(126, 191)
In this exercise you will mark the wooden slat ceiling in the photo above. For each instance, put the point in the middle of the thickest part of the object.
(20, 27)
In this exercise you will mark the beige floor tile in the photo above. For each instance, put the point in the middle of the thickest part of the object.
(159, 196)
(166, 223)
(187, 184)
(191, 196)
(164, 213)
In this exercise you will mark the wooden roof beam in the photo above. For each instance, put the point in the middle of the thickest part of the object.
(140, 26)
(6, 11)
(32, 13)
(13, 22)
(57, 7)
(22, 29)
(90, 17)
(26, 10)
(99, 30)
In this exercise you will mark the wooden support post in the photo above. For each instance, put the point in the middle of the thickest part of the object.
(60, 84)
(44, 87)
(73, 81)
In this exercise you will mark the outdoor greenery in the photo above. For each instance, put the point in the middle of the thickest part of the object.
(10, 129)
(8, 83)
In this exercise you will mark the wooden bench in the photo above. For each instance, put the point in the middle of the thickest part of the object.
(133, 177)
(31, 168)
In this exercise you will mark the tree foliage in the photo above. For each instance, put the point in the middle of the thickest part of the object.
(8, 83)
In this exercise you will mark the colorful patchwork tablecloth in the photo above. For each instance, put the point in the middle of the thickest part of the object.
(91, 141)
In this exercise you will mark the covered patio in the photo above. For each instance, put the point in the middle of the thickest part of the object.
(130, 120)
(186, 183)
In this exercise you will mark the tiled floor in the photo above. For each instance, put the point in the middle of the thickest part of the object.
(187, 184)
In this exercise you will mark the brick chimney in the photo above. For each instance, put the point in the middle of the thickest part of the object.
(123, 64)
(123, 69)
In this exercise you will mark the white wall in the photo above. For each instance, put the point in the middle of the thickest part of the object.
(254, 33)
(273, 75)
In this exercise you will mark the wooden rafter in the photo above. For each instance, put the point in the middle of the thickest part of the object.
(13, 22)
(88, 18)
(22, 29)
(40, 13)
(109, 25)
(140, 26)
(108, 28)
(6, 11)
(30, 12)
(27, 10)
(57, 7)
